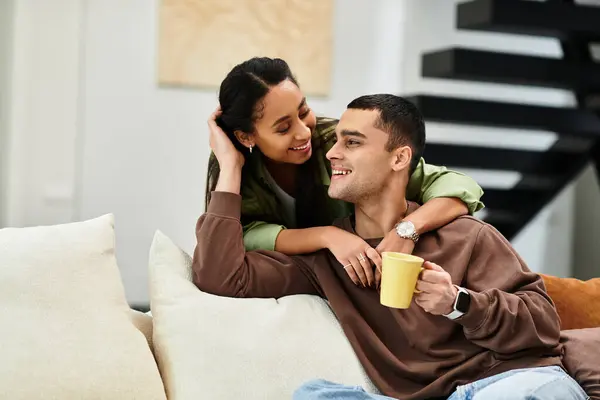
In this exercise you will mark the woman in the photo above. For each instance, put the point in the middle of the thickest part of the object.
(282, 145)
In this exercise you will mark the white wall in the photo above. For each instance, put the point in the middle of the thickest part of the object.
(6, 39)
(431, 26)
(86, 108)
(40, 147)
(586, 257)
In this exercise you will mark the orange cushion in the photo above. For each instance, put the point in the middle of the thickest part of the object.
(577, 301)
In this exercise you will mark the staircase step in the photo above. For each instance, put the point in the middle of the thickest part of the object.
(511, 200)
(564, 121)
(536, 18)
(488, 66)
(508, 224)
(535, 163)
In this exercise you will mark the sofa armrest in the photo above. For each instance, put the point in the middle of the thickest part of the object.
(581, 354)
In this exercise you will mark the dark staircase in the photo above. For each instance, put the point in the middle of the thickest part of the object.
(544, 173)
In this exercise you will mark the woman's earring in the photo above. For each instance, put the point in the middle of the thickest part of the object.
(250, 148)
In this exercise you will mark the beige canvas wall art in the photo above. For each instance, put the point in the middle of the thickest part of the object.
(201, 40)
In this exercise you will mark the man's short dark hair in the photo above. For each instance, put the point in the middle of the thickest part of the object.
(398, 117)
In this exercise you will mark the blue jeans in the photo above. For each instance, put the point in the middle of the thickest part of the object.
(545, 383)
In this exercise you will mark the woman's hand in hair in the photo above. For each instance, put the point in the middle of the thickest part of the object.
(356, 256)
(225, 152)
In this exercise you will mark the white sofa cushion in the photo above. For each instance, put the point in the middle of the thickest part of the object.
(211, 347)
(65, 326)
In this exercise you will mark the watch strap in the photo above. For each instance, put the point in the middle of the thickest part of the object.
(414, 237)
(454, 315)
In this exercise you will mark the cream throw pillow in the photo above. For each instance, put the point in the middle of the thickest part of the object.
(65, 327)
(211, 347)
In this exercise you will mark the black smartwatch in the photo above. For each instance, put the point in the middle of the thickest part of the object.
(461, 304)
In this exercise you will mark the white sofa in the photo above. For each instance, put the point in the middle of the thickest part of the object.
(193, 345)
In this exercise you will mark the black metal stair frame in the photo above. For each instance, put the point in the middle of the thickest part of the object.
(544, 174)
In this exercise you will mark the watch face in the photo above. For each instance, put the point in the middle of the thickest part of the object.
(463, 302)
(406, 228)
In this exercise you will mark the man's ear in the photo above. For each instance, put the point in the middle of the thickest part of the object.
(402, 158)
(246, 139)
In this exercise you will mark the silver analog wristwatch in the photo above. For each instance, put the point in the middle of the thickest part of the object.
(407, 230)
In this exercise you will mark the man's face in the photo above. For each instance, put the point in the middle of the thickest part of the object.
(360, 163)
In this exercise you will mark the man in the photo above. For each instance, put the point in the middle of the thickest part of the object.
(482, 327)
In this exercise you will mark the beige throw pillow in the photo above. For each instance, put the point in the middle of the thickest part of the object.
(65, 327)
(211, 347)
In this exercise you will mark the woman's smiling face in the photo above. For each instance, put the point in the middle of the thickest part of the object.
(284, 125)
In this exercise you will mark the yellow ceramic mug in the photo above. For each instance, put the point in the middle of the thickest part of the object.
(399, 278)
